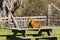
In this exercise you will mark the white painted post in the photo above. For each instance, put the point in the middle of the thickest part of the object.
(49, 13)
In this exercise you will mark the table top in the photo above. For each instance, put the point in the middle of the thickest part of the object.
(46, 28)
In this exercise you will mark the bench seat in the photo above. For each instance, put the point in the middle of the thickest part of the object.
(40, 37)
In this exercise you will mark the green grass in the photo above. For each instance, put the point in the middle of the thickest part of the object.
(4, 32)
(55, 32)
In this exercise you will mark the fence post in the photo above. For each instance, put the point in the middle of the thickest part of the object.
(48, 14)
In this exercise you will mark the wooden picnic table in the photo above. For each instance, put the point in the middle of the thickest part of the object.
(24, 35)
(23, 31)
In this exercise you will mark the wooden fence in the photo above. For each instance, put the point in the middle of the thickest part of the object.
(55, 20)
(22, 21)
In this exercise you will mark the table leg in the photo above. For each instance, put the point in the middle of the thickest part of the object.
(40, 33)
(37, 39)
(14, 34)
(24, 33)
(48, 33)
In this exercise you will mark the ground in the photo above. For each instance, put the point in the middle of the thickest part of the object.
(55, 32)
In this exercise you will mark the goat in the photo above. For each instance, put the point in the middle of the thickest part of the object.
(34, 23)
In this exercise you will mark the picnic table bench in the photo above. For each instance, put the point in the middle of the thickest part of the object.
(11, 37)
(40, 37)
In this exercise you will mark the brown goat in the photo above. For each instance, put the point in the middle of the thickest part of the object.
(34, 23)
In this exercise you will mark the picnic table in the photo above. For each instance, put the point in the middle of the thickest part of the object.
(23, 31)
(36, 36)
(40, 30)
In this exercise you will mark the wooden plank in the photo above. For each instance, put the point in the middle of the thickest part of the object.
(43, 17)
(39, 37)
(24, 20)
(55, 7)
(25, 17)
(5, 35)
(55, 20)
(4, 18)
(15, 22)
(37, 20)
(31, 17)
(28, 28)
(9, 35)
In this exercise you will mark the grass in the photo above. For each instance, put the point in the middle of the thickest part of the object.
(55, 32)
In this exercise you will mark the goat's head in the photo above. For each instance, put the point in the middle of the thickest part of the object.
(30, 19)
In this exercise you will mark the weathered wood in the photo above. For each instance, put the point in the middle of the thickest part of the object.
(23, 30)
(22, 18)
(36, 20)
(55, 7)
(44, 37)
(49, 14)
(5, 35)
(21, 21)
(54, 17)
(15, 22)
(42, 17)
(32, 17)
(39, 37)
(29, 28)
(4, 18)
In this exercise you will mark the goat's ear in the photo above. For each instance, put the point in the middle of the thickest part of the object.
(29, 19)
